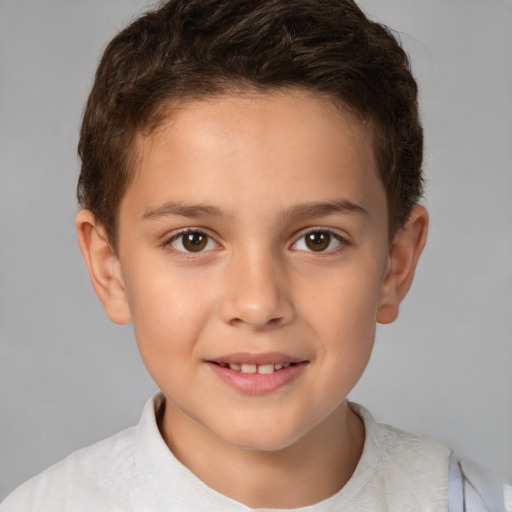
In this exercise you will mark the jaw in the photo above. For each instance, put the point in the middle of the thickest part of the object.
(253, 462)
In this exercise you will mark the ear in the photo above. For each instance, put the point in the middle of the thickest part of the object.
(103, 266)
(406, 249)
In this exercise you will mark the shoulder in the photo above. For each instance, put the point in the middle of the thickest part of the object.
(90, 477)
(404, 448)
(411, 470)
(408, 449)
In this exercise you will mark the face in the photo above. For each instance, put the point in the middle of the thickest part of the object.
(253, 248)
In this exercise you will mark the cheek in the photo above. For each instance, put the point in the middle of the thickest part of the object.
(167, 325)
(342, 311)
(347, 300)
(169, 310)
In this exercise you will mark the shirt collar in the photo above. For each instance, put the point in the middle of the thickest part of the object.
(164, 483)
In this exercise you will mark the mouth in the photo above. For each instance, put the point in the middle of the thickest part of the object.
(262, 369)
(258, 374)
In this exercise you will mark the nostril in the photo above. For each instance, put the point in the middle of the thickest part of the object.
(256, 323)
(256, 300)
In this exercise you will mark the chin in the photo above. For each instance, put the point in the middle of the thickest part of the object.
(260, 445)
(259, 437)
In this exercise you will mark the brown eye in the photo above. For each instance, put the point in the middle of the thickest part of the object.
(192, 241)
(318, 240)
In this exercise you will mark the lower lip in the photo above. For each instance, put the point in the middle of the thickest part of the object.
(255, 383)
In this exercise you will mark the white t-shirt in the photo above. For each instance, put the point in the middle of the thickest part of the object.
(134, 470)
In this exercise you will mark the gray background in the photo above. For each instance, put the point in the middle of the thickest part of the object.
(68, 377)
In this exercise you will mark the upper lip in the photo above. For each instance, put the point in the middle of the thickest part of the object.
(263, 358)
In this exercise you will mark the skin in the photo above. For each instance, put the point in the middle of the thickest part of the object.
(248, 168)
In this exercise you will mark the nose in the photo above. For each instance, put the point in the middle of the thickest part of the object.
(256, 293)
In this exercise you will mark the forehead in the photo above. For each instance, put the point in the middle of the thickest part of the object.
(297, 144)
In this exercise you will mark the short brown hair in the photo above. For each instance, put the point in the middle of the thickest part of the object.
(191, 49)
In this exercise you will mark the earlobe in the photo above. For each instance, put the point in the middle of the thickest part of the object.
(103, 266)
(403, 257)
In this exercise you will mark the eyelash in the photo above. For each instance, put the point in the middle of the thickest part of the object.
(342, 242)
(168, 243)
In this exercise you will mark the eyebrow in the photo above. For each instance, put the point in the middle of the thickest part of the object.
(324, 208)
(194, 211)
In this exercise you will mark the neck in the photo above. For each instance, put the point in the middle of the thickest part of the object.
(310, 470)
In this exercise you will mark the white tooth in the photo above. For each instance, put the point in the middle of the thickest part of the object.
(235, 366)
(248, 368)
(278, 366)
(265, 369)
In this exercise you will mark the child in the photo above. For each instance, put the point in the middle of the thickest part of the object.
(251, 171)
